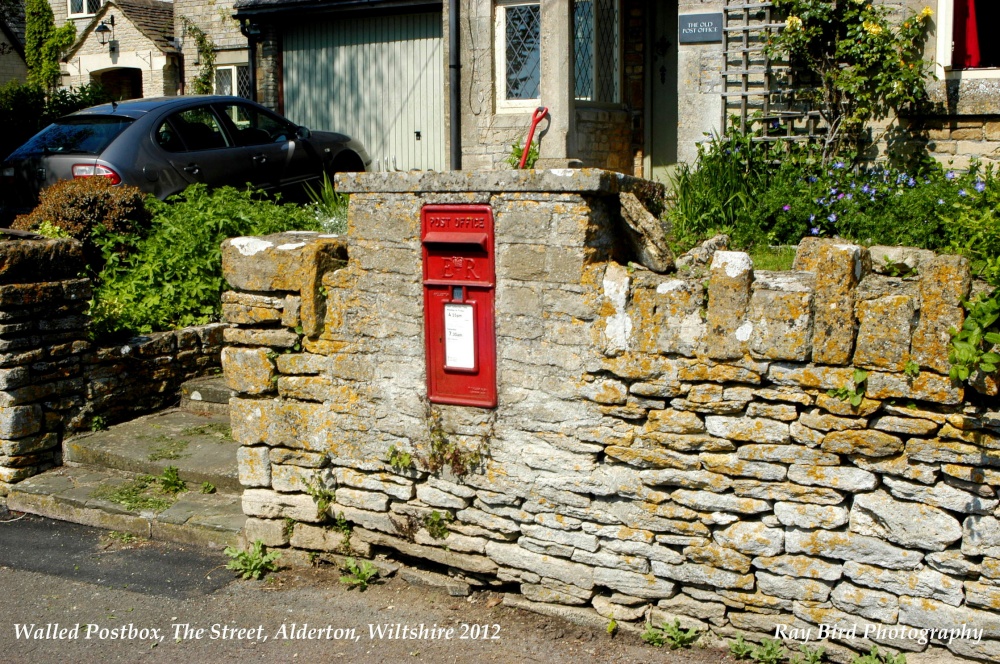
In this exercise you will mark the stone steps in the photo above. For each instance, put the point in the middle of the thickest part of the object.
(197, 444)
(206, 395)
(196, 440)
(79, 494)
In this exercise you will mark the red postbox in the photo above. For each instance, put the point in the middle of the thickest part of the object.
(459, 287)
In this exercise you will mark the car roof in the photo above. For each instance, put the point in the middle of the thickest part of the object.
(135, 108)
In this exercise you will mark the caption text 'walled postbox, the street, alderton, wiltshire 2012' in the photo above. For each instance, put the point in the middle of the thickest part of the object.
(459, 288)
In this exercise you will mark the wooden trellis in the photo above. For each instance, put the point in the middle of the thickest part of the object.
(756, 91)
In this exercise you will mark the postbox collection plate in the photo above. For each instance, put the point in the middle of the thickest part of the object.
(459, 278)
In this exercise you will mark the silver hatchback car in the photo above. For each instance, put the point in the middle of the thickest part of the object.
(162, 145)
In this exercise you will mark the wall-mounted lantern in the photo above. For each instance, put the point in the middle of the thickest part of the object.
(106, 34)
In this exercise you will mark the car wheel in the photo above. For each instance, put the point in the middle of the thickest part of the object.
(346, 162)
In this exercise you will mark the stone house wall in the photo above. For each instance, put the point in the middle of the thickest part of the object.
(216, 20)
(12, 67)
(664, 445)
(54, 379)
(135, 51)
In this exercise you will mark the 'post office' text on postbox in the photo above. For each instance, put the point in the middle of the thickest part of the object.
(459, 288)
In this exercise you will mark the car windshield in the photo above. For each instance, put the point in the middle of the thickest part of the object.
(75, 135)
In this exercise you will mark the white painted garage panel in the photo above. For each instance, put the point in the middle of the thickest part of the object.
(381, 80)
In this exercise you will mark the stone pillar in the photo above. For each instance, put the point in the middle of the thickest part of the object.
(557, 84)
(43, 327)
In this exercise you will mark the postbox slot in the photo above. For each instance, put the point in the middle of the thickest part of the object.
(480, 240)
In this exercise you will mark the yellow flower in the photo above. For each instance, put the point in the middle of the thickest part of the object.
(872, 28)
(793, 23)
(925, 13)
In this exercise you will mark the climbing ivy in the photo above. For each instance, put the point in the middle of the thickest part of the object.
(204, 83)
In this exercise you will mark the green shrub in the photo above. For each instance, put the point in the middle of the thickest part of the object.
(173, 277)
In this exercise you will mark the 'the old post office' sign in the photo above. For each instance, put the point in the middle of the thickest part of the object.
(700, 28)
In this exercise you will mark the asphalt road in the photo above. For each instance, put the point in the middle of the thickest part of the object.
(71, 594)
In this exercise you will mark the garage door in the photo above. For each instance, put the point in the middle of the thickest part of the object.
(380, 80)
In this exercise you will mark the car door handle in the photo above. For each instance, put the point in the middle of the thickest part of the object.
(193, 169)
(259, 159)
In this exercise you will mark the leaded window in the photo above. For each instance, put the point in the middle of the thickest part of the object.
(597, 49)
(519, 60)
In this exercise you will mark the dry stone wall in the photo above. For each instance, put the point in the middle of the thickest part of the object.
(54, 379)
(664, 445)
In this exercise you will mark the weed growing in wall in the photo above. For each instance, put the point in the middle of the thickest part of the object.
(253, 563)
(447, 454)
(670, 635)
(436, 524)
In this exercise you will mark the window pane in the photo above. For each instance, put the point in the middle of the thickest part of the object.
(606, 67)
(223, 81)
(75, 6)
(199, 129)
(243, 81)
(583, 48)
(93, 6)
(596, 49)
(523, 51)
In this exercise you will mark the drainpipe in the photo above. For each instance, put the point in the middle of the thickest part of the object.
(455, 85)
(251, 31)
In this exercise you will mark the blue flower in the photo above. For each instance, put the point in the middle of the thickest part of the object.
(850, 196)
(911, 183)
(833, 192)
(866, 189)
(832, 218)
(962, 192)
(940, 201)
(839, 165)
(812, 217)
(950, 175)
(814, 230)
(811, 178)
(980, 186)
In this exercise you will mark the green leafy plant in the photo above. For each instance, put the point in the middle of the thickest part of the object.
(254, 563)
(912, 369)
(170, 481)
(358, 574)
(876, 656)
(288, 527)
(770, 651)
(436, 524)
(739, 648)
(44, 44)
(172, 448)
(48, 229)
(447, 454)
(854, 63)
(670, 635)
(517, 150)
(855, 393)
(807, 655)
(973, 347)
(329, 206)
(207, 488)
(172, 276)
(321, 495)
(98, 423)
(122, 538)
(399, 459)
(612, 628)
(897, 268)
(141, 494)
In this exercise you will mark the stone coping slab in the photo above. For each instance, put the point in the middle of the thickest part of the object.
(554, 181)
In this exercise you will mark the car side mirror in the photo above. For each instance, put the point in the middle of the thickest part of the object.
(302, 133)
